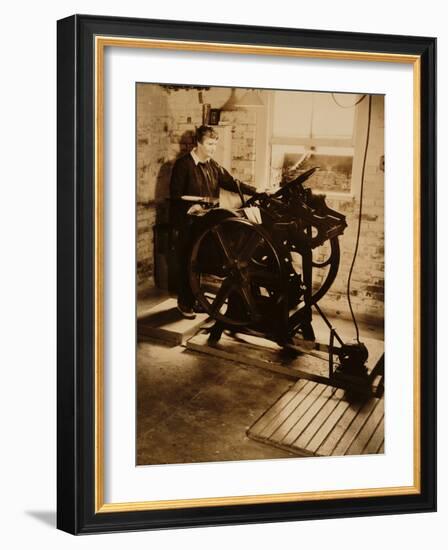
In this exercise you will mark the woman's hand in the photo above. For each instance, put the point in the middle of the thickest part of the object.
(195, 210)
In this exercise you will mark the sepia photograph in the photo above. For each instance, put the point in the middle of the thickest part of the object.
(246, 274)
(259, 274)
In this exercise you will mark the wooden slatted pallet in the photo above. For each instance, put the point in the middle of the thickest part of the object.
(313, 419)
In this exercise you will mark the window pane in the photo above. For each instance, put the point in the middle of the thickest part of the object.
(331, 119)
(292, 114)
(335, 168)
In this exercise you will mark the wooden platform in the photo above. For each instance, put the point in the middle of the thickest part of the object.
(313, 419)
(164, 322)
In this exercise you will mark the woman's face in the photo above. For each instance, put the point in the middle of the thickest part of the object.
(206, 149)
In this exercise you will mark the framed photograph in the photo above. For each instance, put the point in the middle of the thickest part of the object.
(214, 116)
(246, 274)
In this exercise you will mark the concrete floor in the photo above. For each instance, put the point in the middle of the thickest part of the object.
(195, 408)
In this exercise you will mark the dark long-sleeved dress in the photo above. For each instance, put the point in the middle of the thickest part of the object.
(203, 179)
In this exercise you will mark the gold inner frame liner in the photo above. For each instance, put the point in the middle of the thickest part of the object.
(101, 42)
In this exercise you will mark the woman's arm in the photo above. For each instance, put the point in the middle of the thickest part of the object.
(229, 183)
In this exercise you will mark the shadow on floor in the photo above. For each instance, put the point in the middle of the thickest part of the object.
(47, 517)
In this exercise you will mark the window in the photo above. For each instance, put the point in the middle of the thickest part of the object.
(321, 126)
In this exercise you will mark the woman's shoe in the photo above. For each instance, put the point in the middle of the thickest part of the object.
(186, 311)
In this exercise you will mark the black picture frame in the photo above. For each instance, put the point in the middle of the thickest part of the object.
(79, 505)
(215, 116)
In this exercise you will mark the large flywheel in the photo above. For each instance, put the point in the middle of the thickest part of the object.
(326, 261)
(325, 264)
(236, 272)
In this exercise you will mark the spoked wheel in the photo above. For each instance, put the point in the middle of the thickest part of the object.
(325, 263)
(325, 258)
(236, 273)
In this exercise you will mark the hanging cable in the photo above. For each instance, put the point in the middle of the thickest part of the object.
(359, 217)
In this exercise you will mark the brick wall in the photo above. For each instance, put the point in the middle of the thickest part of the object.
(367, 285)
(166, 121)
(244, 128)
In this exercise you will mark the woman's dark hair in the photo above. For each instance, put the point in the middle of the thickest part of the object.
(205, 131)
